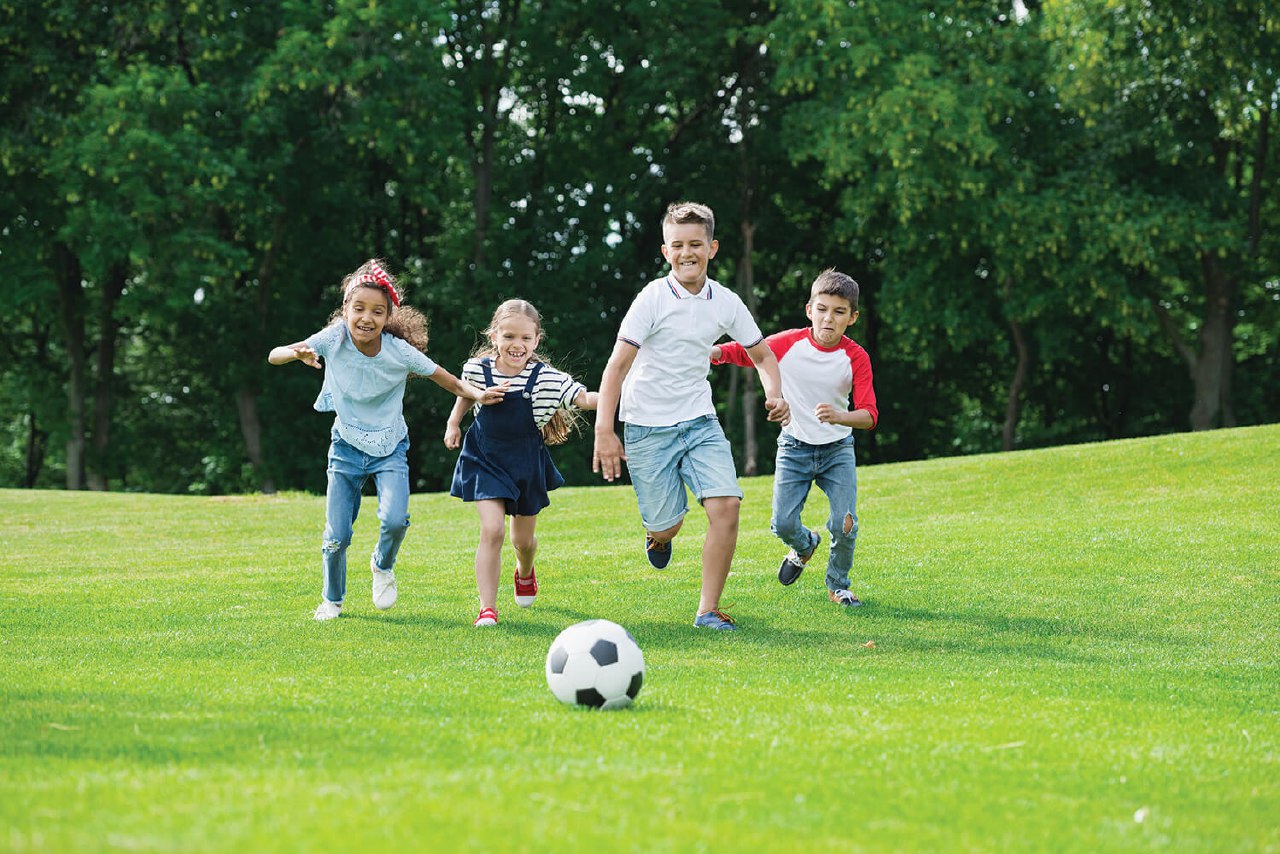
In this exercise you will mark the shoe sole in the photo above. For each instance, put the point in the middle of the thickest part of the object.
(787, 582)
(483, 623)
(525, 601)
(786, 563)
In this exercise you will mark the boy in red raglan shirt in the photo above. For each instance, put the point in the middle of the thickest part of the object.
(820, 370)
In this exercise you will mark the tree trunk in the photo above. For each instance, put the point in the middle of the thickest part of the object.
(495, 64)
(101, 462)
(484, 188)
(71, 309)
(37, 442)
(251, 430)
(1211, 367)
(746, 287)
(1013, 405)
(248, 387)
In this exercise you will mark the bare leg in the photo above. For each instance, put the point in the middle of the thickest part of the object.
(525, 543)
(489, 551)
(717, 551)
(668, 534)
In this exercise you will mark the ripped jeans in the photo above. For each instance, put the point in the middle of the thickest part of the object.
(349, 470)
(833, 468)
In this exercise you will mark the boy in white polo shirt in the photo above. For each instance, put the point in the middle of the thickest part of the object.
(820, 369)
(656, 382)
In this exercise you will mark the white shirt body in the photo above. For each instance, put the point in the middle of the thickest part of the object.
(673, 331)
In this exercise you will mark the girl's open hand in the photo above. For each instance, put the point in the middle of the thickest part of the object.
(493, 394)
(307, 356)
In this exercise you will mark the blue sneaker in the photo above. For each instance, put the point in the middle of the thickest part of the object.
(659, 554)
(714, 619)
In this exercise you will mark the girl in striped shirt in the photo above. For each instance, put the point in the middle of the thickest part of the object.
(504, 466)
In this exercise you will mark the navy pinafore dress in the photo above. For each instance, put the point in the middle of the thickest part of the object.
(503, 455)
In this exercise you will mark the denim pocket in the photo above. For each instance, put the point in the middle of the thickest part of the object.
(635, 432)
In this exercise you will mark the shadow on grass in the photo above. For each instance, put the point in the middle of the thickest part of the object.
(1050, 638)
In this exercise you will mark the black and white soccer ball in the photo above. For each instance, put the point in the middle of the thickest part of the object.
(595, 663)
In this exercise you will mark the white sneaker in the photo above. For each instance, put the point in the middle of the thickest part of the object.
(384, 586)
(328, 610)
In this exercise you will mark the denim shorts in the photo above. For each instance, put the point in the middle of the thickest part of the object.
(662, 461)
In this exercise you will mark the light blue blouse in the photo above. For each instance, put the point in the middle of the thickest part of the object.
(366, 393)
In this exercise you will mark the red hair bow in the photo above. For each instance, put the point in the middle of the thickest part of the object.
(378, 276)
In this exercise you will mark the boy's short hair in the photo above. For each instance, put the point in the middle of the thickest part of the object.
(680, 213)
(834, 283)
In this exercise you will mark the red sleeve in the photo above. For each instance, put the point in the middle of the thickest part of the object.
(733, 353)
(864, 393)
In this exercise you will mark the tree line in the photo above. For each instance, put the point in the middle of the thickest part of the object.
(1060, 213)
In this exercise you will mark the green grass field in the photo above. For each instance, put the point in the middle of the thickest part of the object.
(1065, 649)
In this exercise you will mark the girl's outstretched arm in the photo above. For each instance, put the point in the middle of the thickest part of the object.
(449, 382)
(300, 352)
(587, 399)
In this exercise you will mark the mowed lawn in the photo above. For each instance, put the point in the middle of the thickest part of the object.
(1064, 649)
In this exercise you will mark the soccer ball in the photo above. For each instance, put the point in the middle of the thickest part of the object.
(595, 663)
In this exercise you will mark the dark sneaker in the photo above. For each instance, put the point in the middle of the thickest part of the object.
(794, 563)
(526, 588)
(845, 598)
(659, 554)
(714, 619)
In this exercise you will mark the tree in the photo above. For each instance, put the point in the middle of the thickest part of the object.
(1180, 100)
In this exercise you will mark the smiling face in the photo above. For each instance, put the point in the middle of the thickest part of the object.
(830, 316)
(688, 250)
(365, 313)
(514, 338)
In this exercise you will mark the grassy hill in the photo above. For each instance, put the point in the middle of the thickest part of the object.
(1063, 649)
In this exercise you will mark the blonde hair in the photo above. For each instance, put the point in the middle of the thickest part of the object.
(403, 321)
(563, 421)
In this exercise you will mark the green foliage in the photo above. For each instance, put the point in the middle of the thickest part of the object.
(1072, 648)
(1065, 173)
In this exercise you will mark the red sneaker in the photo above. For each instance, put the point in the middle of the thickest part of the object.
(487, 617)
(526, 588)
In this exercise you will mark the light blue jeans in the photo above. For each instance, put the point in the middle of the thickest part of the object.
(349, 470)
(662, 461)
(833, 468)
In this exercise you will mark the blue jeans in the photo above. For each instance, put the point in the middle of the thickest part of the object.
(833, 468)
(349, 470)
(662, 461)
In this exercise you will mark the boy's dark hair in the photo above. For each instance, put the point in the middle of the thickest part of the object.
(834, 283)
(681, 213)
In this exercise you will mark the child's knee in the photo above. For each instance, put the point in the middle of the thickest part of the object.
(492, 535)
(785, 528)
(723, 508)
(846, 528)
(334, 545)
(397, 524)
